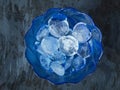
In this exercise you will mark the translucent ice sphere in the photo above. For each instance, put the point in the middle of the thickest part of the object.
(78, 62)
(58, 25)
(63, 45)
(81, 32)
(49, 45)
(68, 45)
(84, 50)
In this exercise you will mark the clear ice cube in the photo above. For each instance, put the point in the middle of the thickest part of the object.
(68, 45)
(57, 68)
(78, 63)
(45, 62)
(81, 32)
(58, 27)
(42, 33)
(49, 45)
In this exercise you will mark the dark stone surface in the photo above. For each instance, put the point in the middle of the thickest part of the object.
(15, 19)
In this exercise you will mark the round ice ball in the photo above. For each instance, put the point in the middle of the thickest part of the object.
(58, 25)
(68, 45)
(81, 32)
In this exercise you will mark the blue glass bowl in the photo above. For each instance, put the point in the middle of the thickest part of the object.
(50, 59)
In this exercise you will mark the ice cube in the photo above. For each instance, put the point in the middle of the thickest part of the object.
(58, 27)
(81, 32)
(68, 45)
(57, 68)
(84, 50)
(49, 45)
(43, 31)
(79, 63)
(45, 62)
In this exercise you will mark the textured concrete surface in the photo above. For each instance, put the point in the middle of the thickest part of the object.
(15, 20)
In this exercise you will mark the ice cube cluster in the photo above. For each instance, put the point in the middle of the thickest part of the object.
(63, 45)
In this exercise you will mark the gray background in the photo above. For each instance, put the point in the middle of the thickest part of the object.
(15, 20)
